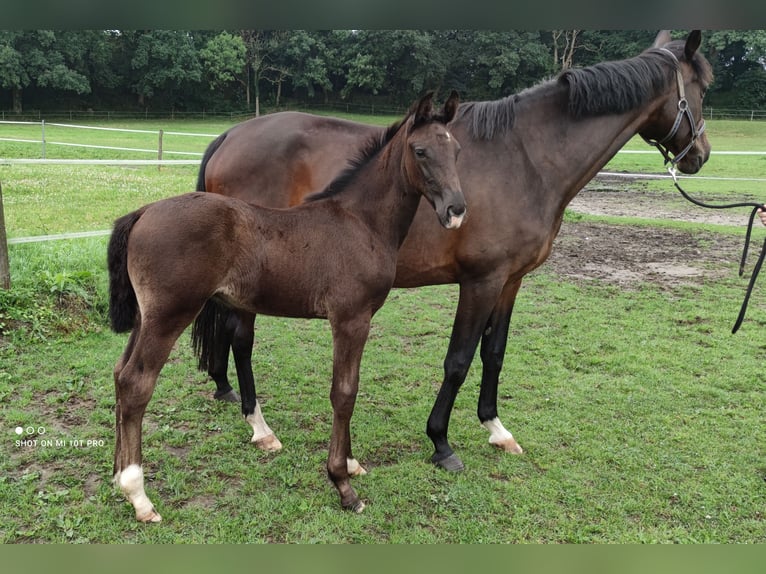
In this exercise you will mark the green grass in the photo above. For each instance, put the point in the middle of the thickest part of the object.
(640, 414)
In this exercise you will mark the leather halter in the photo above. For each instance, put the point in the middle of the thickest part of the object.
(683, 112)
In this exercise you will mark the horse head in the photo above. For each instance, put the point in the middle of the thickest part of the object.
(430, 158)
(677, 128)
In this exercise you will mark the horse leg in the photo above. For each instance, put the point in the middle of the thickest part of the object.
(219, 359)
(474, 307)
(242, 347)
(493, 343)
(135, 376)
(349, 338)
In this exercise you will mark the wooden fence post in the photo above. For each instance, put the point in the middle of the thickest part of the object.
(159, 151)
(5, 269)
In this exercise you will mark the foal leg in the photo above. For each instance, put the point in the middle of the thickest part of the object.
(242, 346)
(473, 310)
(349, 338)
(493, 344)
(135, 376)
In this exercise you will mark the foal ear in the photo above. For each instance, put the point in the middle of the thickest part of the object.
(450, 106)
(693, 41)
(424, 108)
(662, 38)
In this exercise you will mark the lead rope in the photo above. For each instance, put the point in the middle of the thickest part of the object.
(743, 259)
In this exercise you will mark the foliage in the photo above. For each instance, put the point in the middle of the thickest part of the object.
(204, 69)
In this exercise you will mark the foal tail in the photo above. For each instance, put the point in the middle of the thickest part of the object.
(211, 149)
(207, 329)
(123, 305)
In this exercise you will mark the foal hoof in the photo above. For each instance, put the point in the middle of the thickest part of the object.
(230, 397)
(450, 463)
(354, 468)
(269, 443)
(356, 507)
(508, 445)
(151, 517)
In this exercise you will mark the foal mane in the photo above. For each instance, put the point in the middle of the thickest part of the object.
(605, 88)
(366, 154)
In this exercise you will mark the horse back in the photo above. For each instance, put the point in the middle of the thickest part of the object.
(278, 159)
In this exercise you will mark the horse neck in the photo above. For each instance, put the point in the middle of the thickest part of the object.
(565, 154)
(382, 197)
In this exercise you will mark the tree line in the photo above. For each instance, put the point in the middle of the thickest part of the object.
(234, 70)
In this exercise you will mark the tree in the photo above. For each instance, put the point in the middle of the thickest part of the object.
(305, 56)
(161, 62)
(223, 59)
(489, 64)
(398, 64)
(37, 58)
(261, 48)
(738, 58)
(564, 46)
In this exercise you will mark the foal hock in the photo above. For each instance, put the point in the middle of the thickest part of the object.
(333, 257)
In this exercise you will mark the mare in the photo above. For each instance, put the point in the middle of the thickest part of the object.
(524, 158)
(333, 257)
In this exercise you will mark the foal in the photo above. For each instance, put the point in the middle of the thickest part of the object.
(333, 258)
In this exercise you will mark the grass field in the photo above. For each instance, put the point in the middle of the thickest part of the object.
(641, 416)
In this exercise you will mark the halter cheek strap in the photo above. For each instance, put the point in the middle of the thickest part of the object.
(683, 112)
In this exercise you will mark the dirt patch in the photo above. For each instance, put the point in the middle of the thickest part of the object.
(627, 255)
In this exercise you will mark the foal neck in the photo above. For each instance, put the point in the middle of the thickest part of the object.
(382, 195)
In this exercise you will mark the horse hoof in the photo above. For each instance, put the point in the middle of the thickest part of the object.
(509, 445)
(230, 397)
(451, 463)
(151, 517)
(269, 443)
(354, 468)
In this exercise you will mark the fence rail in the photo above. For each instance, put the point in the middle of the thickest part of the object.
(159, 134)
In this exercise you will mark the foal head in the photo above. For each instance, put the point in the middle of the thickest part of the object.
(430, 158)
(678, 127)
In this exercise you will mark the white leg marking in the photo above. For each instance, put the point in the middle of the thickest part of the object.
(354, 468)
(131, 483)
(500, 437)
(263, 437)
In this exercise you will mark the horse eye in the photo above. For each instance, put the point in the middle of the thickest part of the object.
(420, 152)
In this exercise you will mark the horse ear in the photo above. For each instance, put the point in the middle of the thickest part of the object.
(450, 106)
(424, 108)
(662, 38)
(693, 41)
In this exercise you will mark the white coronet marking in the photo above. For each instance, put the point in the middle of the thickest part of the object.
(131, 483)
(260, 428)
(354, 468)
(497, 432)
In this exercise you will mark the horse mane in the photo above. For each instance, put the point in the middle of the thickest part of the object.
(605, 88)
(368, 151)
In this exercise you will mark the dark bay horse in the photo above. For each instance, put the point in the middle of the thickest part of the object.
(524, 158)
(333, 257)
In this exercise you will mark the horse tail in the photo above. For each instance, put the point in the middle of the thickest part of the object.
(123, 305)
(206, 329)
(211, 149)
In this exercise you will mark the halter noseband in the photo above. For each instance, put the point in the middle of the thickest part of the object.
(683, 112)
